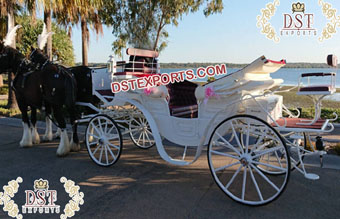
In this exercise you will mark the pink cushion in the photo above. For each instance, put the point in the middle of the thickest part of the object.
(295, 123)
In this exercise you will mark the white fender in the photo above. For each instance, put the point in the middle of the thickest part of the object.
(64, 145)
(26, 140)
(48, 136)
(155, 132)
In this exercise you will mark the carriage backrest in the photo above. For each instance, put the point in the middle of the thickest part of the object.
(142, 52)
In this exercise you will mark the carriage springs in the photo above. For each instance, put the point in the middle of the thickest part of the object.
(154, 80)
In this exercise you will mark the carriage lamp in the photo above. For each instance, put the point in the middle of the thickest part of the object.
(110, 64)
(319, 143)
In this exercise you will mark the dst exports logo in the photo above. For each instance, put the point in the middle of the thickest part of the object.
(41, 199)
(299, 22)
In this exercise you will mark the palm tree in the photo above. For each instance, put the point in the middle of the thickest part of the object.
(84, 12)
(50, 6)
(8, 9)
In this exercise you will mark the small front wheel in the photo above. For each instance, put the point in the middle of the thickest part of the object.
(103, 140)
(140, 131)
(235, 162)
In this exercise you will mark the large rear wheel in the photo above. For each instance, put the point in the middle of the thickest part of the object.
(234, 155)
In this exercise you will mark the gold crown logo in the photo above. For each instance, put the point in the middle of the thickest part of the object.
(40, 184)
(298, 7)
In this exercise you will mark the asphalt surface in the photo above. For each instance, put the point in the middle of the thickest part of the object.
(142, 185)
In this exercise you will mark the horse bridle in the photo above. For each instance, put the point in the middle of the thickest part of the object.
(43, 65)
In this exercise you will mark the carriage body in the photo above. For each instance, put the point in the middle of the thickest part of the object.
(241, 124)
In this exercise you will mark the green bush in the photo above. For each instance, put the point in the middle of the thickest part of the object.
(326, 113)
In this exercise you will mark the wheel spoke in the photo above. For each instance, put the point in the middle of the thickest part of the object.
(269, 165)
(100, 125)
(113, 137)
(236, 137)
(95, 136)
(233, 177)
(114, 146)
(106, 157)
(247, 137)
(143, 138)
(113, 156)
(265, 178)
(147, 136)
(244, 182)
(105, 129)
(136, 121)
(101, 154)
(226, 166)
(93, 143)
(224, 154)
(95, 150)
(135, 130)
(255, 183)
(140, 135)
(228, 144)
(278, 159)
(257, 144)
(97, 130)
(270, 150)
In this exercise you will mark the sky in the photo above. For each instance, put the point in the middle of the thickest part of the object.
(231, 36)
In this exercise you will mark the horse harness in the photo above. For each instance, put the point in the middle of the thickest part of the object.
(26, 63)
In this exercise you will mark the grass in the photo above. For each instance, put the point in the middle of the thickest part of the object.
(291, 99)
(4, 90)
(8, 112)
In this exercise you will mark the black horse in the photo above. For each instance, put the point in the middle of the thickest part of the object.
(39, 83)
(27, 89)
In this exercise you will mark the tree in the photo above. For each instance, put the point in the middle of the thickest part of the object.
(27, 36)
(49, 6)
(84, 12)
(142, 23)
(8, 9)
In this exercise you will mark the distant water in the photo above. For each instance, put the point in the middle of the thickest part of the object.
(291, 77)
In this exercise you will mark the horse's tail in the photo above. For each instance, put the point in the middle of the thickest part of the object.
(70, 89)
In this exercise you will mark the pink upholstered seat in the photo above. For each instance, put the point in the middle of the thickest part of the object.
(296, 123)
(182, 102)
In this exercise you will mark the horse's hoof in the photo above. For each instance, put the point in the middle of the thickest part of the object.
(36, 139)
(47, 138)
(62, 152)
(75, 147)
(26, 144)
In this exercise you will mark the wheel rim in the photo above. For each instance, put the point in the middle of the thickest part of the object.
(235, 153)
(140, 132)
(103, 140)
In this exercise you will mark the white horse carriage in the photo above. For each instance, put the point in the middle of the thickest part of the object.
(251, 147)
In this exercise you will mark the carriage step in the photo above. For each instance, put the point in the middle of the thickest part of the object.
(312, 176)
(295, 136)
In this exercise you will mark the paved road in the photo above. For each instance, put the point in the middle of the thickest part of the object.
(142, 185)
